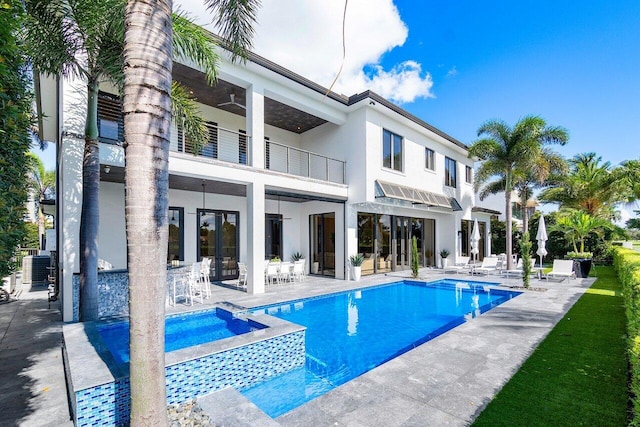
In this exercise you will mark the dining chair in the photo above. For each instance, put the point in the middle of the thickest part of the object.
(285, 271)
(273, 273)
(298, 270)
(242, 276)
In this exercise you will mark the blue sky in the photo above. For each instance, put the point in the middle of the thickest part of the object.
(577, 67)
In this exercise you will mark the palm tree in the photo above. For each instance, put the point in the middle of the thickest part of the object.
(590, 186)
(84, 39)
(505, 150)
(577, 225)
(147, 116)
(42, 184)
(534, 175)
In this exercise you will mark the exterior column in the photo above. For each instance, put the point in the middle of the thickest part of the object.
(255, 125)
(255, 238)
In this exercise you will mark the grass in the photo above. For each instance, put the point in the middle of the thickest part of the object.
(578, 374)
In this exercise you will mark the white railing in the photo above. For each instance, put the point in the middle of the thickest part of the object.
(224, 144)
(283, 158)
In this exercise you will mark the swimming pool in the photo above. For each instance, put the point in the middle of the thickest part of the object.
(352, 332)
(181, 331)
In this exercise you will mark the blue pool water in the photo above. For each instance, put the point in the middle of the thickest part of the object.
(181, 331)
(351, 333)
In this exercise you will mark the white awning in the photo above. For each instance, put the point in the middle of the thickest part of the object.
(415, 196)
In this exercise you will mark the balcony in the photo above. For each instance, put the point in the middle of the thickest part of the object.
(231, 146)
(291, 160)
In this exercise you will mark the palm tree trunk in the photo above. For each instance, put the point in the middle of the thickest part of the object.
(525, 216)
(90, 214)
(508, 226)
(146, 108)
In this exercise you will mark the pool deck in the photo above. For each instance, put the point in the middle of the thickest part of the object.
(446, 381)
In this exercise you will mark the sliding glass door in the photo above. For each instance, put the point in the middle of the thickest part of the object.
(323, 243)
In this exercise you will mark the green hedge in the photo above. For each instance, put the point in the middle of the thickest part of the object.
(627, 265)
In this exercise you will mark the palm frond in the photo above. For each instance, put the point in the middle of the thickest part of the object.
(235, 20)
(193, 42)
(186, 114)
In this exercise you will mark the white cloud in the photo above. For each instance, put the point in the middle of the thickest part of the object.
(453, 71)
(306, 37)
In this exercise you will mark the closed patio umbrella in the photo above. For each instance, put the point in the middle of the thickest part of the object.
(542, 238)
(475, 240)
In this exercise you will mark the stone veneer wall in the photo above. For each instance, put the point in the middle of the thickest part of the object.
(113, 292)
(241, 367)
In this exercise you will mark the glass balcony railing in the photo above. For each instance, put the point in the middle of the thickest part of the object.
(291, 160)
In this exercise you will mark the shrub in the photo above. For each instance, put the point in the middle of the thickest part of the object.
(627, 265)
(414, 257)
(525, 251)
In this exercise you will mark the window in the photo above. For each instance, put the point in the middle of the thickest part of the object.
(176, 235)
(449, 172)
(430, 160)
(273, 236)
(391, 150)
(110, 124)
(468, 174)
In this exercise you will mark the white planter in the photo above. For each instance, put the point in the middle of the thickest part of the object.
(444, 262)
(356, 272)
(314, 267)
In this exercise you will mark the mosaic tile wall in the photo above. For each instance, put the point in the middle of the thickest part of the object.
(109, 404)
(113, 292)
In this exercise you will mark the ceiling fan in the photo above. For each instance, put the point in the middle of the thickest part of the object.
(232, 102)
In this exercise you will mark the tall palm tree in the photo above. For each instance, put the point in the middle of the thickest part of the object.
(84, 39)
(148, 63)
(505, 150)
(42, 184)
(590, 186)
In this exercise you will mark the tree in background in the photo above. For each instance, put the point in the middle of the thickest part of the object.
(590, 186)
(15, 121)
(504, 151)
(147, 118)
(42, 184)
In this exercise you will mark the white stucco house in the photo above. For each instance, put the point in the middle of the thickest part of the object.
(289, 167)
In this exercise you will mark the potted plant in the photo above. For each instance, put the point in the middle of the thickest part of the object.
(443, 258)
(297, 256)
(356, 264)
(581, 262)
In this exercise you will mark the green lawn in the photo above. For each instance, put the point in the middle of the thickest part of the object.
(578, 374)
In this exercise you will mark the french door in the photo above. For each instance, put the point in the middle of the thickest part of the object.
(218, 237)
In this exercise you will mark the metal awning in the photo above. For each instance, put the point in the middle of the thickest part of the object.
(415, 196)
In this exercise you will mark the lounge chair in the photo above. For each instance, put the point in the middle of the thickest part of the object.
(462, 264)
(562, 269)
(517, 271)
(489, 265)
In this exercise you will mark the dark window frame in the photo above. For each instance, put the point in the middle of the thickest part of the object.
(180, 211)
(393, 140)
(430, 159)
(450, 172)
(468, 174)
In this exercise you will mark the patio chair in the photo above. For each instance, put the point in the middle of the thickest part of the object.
(272, 273)
(196, 288)
(285, 271)
(179, 289)
(298, 270)
(242, 276)
(562, 269)
(489, 265)
(517, 271)
(461, 264)
(205, 273)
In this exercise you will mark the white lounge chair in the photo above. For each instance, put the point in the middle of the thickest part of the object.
(462, 264)
(563, 269)
(489, 265)
(517, 271)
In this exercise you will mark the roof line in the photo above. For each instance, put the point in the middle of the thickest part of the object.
(348, 101)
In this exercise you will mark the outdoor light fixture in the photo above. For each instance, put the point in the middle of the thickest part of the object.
(107, 168)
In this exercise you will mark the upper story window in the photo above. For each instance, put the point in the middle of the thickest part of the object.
(430, 159)
(391, 150)
(110, 124)
(450, 172)
(468, 174)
